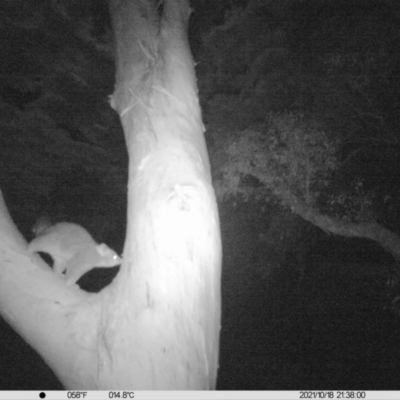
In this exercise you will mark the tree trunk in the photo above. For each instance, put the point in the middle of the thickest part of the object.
(173, 250)
(157, 325)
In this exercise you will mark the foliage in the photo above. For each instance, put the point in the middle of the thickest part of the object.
(335, 63)
(286, 154)
(289, 157)
(356, 204)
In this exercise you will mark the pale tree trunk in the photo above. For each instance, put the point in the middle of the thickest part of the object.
(172, 282)
(157, 325)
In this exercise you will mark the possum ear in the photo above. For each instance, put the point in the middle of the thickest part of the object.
(42, 223)
(103, 249)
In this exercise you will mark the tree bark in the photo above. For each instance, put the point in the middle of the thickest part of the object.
(389, 240)
(157, 325)
(169, 291)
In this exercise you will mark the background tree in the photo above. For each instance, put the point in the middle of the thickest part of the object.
(303, 121)
(312, 112)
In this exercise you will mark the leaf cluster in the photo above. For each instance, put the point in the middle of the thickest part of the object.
(288, 153)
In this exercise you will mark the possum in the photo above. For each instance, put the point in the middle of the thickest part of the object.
(72, 248)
